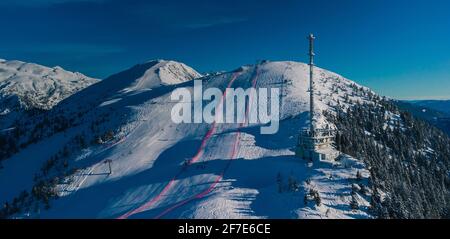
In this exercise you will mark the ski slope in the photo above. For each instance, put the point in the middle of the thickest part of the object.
(165, 170)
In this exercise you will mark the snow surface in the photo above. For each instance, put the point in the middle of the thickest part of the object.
(32, 86)
(164, 73)
(165, 170)
(39, 86)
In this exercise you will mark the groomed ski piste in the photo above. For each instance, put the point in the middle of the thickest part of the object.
(160, 169)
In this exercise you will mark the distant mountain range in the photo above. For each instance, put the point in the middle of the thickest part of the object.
(439, 105)
(28, 86)
(436, 112)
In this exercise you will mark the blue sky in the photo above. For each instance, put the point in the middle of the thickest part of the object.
(399, 48)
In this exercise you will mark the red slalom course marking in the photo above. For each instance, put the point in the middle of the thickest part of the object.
(198, 155)
(218, 178)
(210, 188)
(213, 128)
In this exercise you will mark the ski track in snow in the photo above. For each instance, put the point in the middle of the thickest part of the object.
(238, 164)
(198, 155)
(76, 185)
(232, 157)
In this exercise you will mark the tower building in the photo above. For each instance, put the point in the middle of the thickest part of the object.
(313, 142)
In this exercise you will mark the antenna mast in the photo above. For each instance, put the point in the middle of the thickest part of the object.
(311, 81)
(314, 144)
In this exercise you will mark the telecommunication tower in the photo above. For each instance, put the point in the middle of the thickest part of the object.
(313, 142)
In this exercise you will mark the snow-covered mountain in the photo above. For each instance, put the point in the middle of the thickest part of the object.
(25, 86)
(112, 151)
(163, 72)
(436, 112)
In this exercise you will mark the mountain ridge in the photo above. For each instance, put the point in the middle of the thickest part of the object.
(29, 87)
(234, 171)
(39, 86)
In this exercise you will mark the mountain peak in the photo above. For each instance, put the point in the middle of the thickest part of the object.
(38, 86)
(159, 72)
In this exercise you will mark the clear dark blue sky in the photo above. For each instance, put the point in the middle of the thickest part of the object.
(400, 48)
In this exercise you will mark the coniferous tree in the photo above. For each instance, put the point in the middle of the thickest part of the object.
(396, 152)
